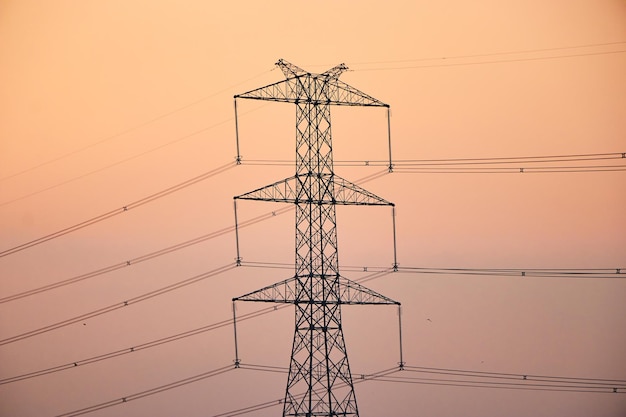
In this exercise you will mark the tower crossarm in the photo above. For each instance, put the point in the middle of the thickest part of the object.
(287, 191)
(280, 191)
(346, 95)
(355, 293)
(349, 193)
(330, 91)
(280, 292)
(292, 291)
(318, 89)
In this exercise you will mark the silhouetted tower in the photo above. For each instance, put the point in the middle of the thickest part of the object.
(319, 382)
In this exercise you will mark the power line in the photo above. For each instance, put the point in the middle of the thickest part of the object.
(513, 376)
(152, 391)
(121, 161)
(590, 273)
(191, 380)
(375, 272)
(139, 347)
(250, 409)
(161, 341)
(497, 61)
(609, 386)
(142, 258)
(135, 397)
(595, 273)
(273, 403)
(119, 305)
(479, 55)
(470, 379)
(522, 51)
(483, 379)
(400, 166)
(160, 252)
(494, 385)
(527, 159)
(485, 165)
(530, 170)
(133, 128)
(386, 375)
(382, 376)
(112, 213)
(138, 203)
(516, 164)
(487, 379)
(500, 270)
(254, 314)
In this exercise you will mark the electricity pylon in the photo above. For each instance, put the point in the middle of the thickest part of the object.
(319, 381)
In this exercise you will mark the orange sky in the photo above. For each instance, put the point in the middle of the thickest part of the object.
(105, 102)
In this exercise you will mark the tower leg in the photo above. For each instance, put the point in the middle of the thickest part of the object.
(319, 382)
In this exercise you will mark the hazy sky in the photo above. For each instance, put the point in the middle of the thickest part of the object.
(103, 103)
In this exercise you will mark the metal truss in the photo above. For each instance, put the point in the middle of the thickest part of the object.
(301, 86)
(294, 290)
(319, 361)
(334, 190)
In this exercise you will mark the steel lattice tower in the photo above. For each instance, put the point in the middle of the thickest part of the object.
(319, 381)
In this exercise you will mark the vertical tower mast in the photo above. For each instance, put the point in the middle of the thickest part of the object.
(319, 381)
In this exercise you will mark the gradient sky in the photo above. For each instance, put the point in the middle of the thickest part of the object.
(105, 102)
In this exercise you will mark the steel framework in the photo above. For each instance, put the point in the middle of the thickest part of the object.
(319, 381)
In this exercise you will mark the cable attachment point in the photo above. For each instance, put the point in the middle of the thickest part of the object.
(401, 366)
(237, 363)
